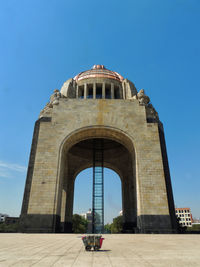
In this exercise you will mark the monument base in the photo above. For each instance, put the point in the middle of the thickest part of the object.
(39, 223)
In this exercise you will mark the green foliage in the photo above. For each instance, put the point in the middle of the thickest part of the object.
(9, 228)
(195, 227)
(107, 228)
(115, 227)
(79, 224)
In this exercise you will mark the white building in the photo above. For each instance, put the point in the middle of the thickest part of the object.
(185, 216)
(88, 217)
(3, 217)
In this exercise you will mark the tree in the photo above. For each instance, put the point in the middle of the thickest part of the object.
(107, 228)
(9, 228)
(195, 228)
(117, 225)
(79, 224)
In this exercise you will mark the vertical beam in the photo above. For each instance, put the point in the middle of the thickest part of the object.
(69, 205)
(121, 94)
(63, 206)
(124, 90)
(77, 91)
(94, 90)
(103, 90)
(112, 91)
(85, 90)
(98, 187)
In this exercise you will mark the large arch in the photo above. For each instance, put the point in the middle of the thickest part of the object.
(130, 125)
(76, 155)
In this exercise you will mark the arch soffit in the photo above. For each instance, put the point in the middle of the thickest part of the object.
(106, 132)
(85, 133)
(95, 132)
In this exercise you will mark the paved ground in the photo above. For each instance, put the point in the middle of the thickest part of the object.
(118, 250)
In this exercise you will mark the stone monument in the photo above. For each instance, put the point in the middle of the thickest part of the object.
(98, 104)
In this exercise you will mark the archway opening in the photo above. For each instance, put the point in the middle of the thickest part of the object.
(117, 158)
(83, 195)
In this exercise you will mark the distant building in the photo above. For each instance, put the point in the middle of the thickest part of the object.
(3, 217)
(88, 217)
(185, 216)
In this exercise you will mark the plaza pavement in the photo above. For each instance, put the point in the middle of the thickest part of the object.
(117, 250)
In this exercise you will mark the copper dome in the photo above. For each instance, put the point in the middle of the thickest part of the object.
(98, 71)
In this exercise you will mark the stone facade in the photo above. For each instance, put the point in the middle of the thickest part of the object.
(98, 104)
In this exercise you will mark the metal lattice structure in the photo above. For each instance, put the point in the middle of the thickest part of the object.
(98, 187)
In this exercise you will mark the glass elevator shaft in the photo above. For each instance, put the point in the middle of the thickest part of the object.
(98, 187)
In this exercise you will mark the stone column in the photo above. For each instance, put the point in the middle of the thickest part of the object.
(112, 91)
(69, 206)
(103, 90)
(94, 90)
(63, 206)
(126, 200)
(85, 91)
(129, 204)
(121, 95)
(77, 91)
(121, 89)
(133, 197)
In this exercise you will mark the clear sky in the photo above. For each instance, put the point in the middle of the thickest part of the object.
(155, 44)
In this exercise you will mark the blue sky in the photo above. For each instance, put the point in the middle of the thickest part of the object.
(153, 43)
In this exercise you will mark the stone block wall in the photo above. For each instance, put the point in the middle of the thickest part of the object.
(126, 120)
